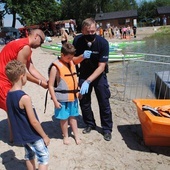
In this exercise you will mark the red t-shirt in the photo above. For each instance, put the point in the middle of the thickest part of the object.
(8, 53)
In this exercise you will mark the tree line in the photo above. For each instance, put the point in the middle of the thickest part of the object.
(32, 12)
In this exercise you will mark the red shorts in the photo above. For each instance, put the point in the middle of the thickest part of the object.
(4, 88)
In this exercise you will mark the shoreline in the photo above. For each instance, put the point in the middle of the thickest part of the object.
(141, 33)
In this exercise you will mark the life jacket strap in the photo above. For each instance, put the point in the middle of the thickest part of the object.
(45, 104)
(66, 91)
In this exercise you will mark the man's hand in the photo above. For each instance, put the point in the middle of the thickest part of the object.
(87, 54)
(85, 87)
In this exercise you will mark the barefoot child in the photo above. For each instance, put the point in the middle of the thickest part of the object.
(63, 88)
(65, 93)
(26, 128)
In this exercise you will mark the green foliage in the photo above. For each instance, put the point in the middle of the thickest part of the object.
(162, 31)
(80, 10)
(38, 11)
(33, 11)
(149, 9)
(120, 5)
(159, 3)
(146, 10)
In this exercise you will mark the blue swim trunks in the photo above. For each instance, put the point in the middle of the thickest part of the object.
(37, 149)
(67, 110)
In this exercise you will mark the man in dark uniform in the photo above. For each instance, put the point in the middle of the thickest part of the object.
(92, 74)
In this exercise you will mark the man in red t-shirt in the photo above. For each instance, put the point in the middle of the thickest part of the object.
(20, 49)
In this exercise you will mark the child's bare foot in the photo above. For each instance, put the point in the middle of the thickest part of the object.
(78, 141)
(66, 141)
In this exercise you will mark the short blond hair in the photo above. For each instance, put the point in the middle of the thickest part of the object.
(14, 69)
(88, 22)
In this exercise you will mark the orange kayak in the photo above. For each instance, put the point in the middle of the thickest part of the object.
(155, 129)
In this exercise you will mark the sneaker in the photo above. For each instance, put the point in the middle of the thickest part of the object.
(107, 136)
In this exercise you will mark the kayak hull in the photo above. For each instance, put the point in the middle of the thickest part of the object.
(51, 48)
(113, 50)
(155, 129)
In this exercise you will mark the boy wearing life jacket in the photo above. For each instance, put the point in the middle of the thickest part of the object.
(63, 87)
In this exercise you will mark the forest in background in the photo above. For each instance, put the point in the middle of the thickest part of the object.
(32, 12)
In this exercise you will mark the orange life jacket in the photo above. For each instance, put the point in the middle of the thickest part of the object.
(67, 86)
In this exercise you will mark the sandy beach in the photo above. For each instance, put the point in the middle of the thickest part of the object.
(126, 150)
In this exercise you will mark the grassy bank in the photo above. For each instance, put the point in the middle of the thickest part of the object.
(164, 30)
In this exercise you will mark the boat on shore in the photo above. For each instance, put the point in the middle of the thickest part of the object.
(114, 51)
(55, 49)
(155, 129)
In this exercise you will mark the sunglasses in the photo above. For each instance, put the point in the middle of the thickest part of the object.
(42, 40)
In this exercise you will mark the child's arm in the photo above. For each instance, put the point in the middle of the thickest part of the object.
(52, 79)
(26, 103)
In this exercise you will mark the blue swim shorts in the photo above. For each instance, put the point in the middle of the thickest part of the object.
(37, 149)
(67, 110)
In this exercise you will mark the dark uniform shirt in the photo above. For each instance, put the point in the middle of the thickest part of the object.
(100, 52)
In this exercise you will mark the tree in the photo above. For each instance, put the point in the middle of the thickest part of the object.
(36, 12)
(120, 5)
(32, 11)
(80, 10)
(149, 9)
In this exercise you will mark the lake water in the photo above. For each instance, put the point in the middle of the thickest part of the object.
(155, 45)
(139, 75)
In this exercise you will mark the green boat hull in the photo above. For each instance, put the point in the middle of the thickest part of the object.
(113, 55)
(121, 57)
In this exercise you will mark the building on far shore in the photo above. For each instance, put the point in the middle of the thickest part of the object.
(164, 12)
(118, 18)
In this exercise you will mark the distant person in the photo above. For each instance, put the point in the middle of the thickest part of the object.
(117, 32)
(128, 32)
(120, 31)
(110, 32)
(63, 87)
(71, 29)
(93, 75)
(58, 33)
(164, 20)
(64, 36)
(101, 33)
(20, 49)
(26, 128)
(124, 31)
(134, 31)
